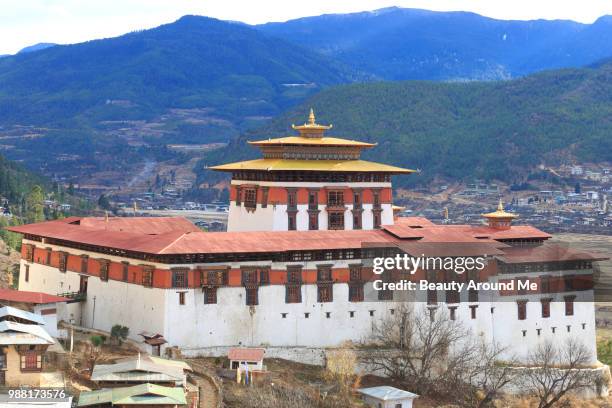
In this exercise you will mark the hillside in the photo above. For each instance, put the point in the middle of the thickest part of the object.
(494, 130)
(15, 181)
(197, 80)
(399, 44)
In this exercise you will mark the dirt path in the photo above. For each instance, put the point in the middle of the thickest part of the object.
(209, 396)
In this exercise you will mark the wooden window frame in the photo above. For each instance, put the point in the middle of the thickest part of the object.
(181, 298)
(545, 307)
(104, 269)
(335, 220)
(250, 198)
(210, 295)
(84, 263)
(147, 276)
(252, 295)
(265, 191)
(180, 277)
(569, 304)
(63, 262)
(521, 309)
(125, 271)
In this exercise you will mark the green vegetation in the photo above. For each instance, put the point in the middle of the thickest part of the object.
(119, 333)
(490, 130)
(604, 351)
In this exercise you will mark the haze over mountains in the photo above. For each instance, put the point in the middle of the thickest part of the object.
(396, 43)
(111, 104)
(458, 131)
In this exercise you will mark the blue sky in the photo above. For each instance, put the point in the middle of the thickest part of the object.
(26, 22)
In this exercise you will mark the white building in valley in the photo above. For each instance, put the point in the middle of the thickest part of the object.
(294, 272)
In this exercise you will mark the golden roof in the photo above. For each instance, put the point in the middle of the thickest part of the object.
(311, 125)
(500, 213)
(311, 165)
(301, 140)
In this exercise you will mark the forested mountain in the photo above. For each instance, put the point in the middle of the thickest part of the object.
(494, 130)
(396, 43)
(15, 181)
(106, 105)
(196, 62)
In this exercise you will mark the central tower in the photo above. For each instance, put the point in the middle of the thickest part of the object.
(310, 182)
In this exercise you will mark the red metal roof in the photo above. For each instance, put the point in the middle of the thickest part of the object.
(11, 295)
(142, 225)
(246, 354)
(548, 253)
(187, 239)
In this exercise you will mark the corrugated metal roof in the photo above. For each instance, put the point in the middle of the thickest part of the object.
(23, 296)
(139, 369)
(19, 333)
(548, 253)
(387, 393)
(413, 229)
(10, 311)
(149, 394)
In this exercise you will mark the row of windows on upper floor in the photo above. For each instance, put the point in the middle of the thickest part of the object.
(247, 196)
(311, 176)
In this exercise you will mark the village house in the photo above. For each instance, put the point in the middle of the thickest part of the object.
(246, 358)
(137, 396)
(39, 303)
(141, 369)
(23, 342)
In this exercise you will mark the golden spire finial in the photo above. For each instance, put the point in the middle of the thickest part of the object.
(500, 206)
(311, 117)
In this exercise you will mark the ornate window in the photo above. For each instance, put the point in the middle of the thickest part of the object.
(264, 196)
(31, 361)
(147, 276)
(213, 277)
(386, 294)
(377, 221)
(210, 295)
(325, 292)
(48, 256)
(125, 269)
(29, 253)
(569, 305)
(313, 200)
(238, 193)
(291, 199)
(313, 222)
(251, 296)
(179, 277)
(545, 307)
(84, 263)
(250, 198)
(104, 265)
(355, 292)
(293, 289)
(522, 309)
(335, 220)
(335, 198)
(293, 293)
(63, 261)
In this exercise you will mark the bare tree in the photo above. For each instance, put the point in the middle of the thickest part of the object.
(433, 354)
(556, 370)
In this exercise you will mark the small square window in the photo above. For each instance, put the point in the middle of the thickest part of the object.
(328, 314)
(352, 313)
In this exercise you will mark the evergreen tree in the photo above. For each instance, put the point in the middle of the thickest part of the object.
(34, 205)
